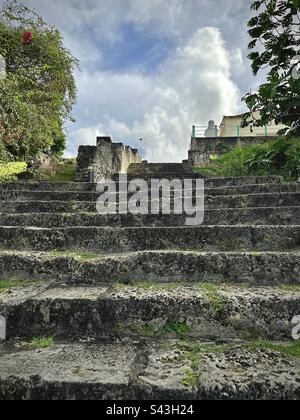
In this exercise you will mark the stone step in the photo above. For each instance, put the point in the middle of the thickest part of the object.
(217, 202)
(239, 181)
(254, 189)
(205, 312)
(87, 187)
(48, 186)
(185, 267)
(253, 216)
(154, 168)
(201, 238)
(253, 200)
(211, 182)
(93, 196)
(140, 371)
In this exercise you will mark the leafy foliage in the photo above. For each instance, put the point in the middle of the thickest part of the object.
(278, 157)
(9, 171)
(39, 91)
(275, 45)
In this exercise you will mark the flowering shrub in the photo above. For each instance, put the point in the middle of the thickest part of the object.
(38, 91)
(27, 37)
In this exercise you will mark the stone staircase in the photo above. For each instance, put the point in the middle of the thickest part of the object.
(144, 307)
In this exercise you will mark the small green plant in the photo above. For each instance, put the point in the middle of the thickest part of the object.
(194, 352)
(218, 303)
(191, 379)
(180, 329)
(174, 328)
(42, 343)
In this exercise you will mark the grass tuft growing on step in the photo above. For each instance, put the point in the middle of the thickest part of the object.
(180, 329)
(289, 349)
(218, 303)
(176, 329)
(194, 353)
(42, 343)
(290, 287)
(191, 379)
(12, 284)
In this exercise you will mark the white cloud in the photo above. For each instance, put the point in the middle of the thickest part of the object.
(176, 19)
(192, 86)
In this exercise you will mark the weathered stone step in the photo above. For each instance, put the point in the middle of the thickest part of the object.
(146, 371)
(253, 216)
(81, 186)
(205, 312)
(254, 189)
(93, 196)
(216, 182)
(48, 186)
(154, 168)
(223, 202)
(186, 267)
(239, 181)
(253, 200)
(202, 238)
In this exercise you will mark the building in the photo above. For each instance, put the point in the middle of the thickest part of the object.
(231, 127)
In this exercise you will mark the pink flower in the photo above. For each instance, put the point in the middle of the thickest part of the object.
(27, 37)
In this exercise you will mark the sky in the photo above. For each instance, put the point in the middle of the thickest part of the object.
(152, 68)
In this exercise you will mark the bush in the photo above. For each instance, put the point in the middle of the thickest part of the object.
(39, 91)
(277, 157)
(9, 171)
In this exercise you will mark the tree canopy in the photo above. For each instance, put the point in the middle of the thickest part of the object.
(275, 46)
(39, 90)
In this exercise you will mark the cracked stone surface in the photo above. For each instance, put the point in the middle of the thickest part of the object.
(117, 371)
(226, 312)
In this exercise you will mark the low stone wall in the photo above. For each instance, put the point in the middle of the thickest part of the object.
(203, 148)
(106, 158)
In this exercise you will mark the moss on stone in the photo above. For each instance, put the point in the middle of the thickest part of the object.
(290, 287)
(174, 328)
(194, 352)
(12, 284)
(291, 349)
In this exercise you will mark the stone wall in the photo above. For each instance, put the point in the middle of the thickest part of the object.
(203, 148)
(106, 158)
